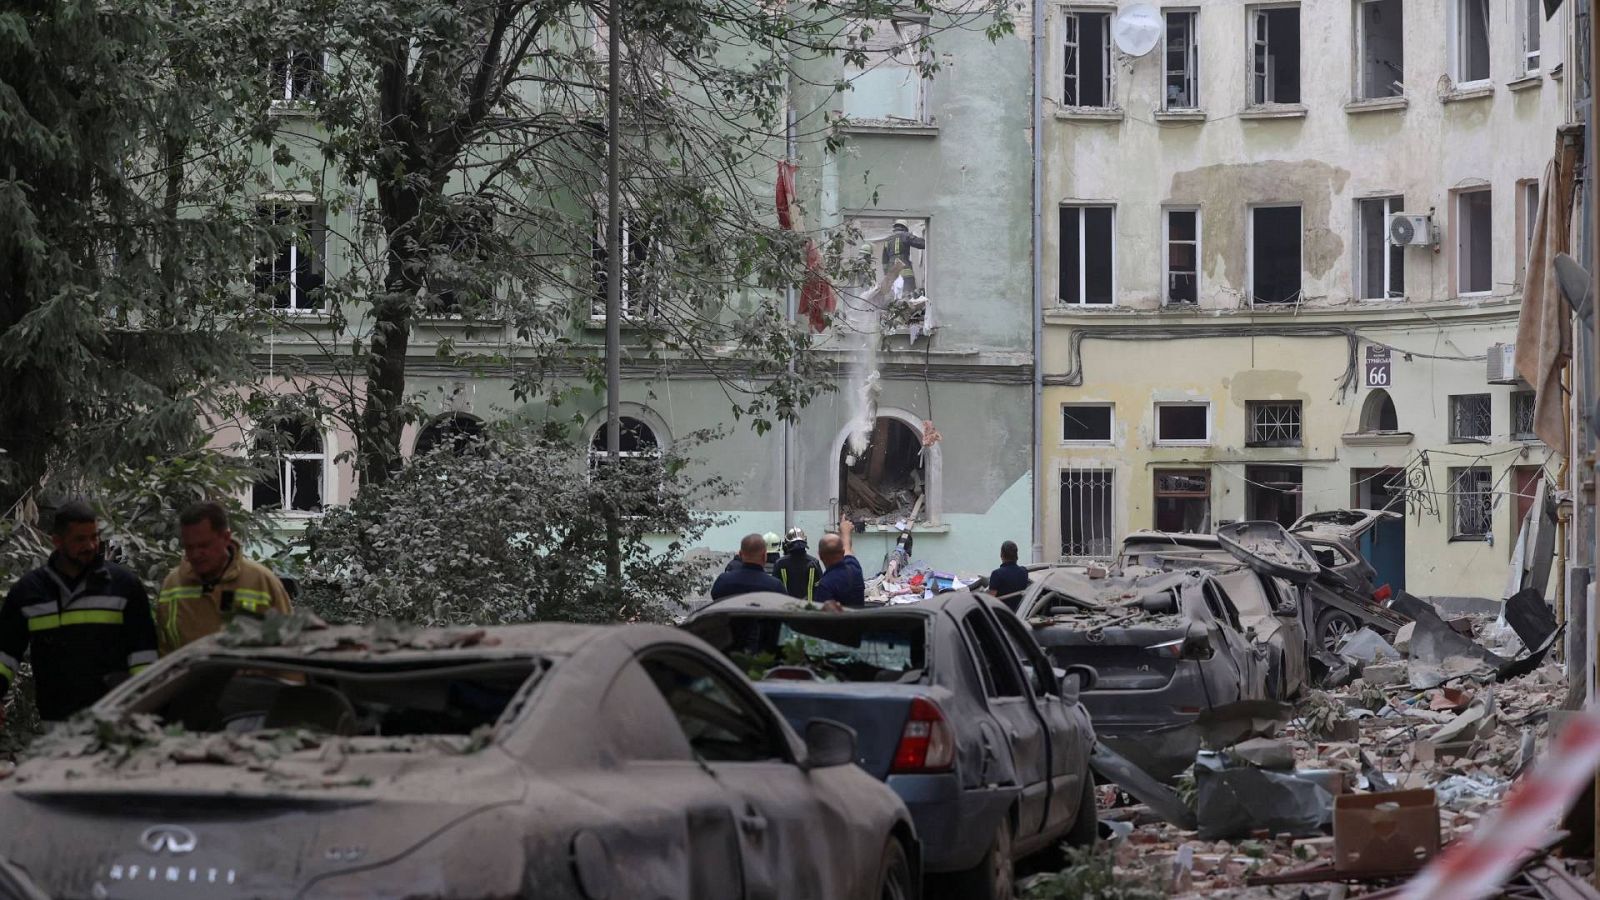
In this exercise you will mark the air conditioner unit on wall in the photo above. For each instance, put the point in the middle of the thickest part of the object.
(1502, 364)
(1407, 230)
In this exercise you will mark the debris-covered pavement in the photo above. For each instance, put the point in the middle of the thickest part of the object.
(1365, 781)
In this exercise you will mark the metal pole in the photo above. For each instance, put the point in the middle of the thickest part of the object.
(1038, 282)
(614, 250)
(789, 311)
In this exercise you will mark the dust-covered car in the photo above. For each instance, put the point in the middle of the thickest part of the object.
(1346, 596)
(957, 709)
(1165, 648)
(549, 761)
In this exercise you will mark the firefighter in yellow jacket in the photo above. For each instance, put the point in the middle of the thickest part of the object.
(214, 582)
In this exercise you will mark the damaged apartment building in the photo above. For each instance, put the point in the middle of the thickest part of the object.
(1283, 255)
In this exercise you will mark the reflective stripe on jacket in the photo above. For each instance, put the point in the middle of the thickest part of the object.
(188, 609)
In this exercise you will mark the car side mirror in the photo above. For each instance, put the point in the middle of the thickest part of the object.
(829, 743)
(1077, 678)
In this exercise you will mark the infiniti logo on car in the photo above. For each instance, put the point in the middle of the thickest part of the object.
(173, 839)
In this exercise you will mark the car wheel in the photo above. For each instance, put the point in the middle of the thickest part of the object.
(995, 878)
(894, 874)
(1332, 625)
(1087, 827)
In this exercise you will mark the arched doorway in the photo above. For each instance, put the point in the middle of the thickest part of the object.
(454, 430)
(1378, 413)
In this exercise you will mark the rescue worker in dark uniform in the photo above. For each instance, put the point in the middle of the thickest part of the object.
(84, 622)
(798, 570)
(897, 249)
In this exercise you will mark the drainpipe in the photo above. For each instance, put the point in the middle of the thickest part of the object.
(1038, 279)
(789, 302)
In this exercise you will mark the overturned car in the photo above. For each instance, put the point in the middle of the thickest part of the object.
(551, 761)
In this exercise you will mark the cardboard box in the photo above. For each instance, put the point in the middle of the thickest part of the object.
(1395, 831)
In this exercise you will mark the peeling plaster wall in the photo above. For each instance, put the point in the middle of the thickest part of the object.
(1325, 154)
(1135, 376)
(1325, 158)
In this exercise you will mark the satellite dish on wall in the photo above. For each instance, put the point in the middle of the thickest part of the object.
(1137, 28)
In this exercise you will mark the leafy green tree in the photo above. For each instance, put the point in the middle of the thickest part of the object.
(121, 311)
(509, 528)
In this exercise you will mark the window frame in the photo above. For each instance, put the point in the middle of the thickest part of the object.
(1483, 477)
(1455, 402)
(670, 654)
(598, 299)
(1361, 90)
(974, 625)
(314, 229)
(286, 97)
(1190, 75)
(876, 58)
(1083, 269)
(1258, 46)
(1522, 401)
(1184, 442)
(1393, 204)
(284, 460)
(1527, 212)
(1250, 252)
(1111, 426)
(1101, 479)
(1464, 233)
(1255, 407)
(1072, 55)
(1530, 62)
(1455, 40)
(1157, 494)
(1167, 242)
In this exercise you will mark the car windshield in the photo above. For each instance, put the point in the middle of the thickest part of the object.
(838, 647)
(376, 699)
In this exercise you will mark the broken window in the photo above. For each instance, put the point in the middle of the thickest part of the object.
(1471, 502)
(1474, 247)
(1086, 42)
(884, 69)
(1275, 254)
(1183, 423)
(887, 481)
(1380, 49)
(1378, 413)
(1532, 17)
(1272, 493)
(1183, 500)
(1086, 255)
(292, 276)
(1522, 416)
(455, 280)
(1086, 423)
(295, 76)
(291, 453)
(1086, 500)
(893, 268)
(1382, 265)
(1469, 419)
(457, 431)
(1469, 41)
(1183, 256)
(1274, 423)
(1275, 55)
(641, 283)
(373, 698)
(635, 440)
(1182, 54)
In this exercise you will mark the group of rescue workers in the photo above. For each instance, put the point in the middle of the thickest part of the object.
(89, 623)
(836, 580)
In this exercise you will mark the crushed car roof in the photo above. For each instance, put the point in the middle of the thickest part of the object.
(303, 634)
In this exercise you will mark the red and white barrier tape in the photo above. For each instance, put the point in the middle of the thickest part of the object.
(1475, 866)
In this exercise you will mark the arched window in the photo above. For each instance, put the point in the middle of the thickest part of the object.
(1378, 414)
(887, 481)
(635, 440)
(455, 430)
(296, 463)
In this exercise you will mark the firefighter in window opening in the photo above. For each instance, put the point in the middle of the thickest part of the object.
(797, 569)
(897, 255)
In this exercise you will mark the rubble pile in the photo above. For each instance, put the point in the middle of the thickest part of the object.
(1411, 746)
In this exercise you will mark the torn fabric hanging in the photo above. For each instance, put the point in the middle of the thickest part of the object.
(817, 298)
(1544, 329)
